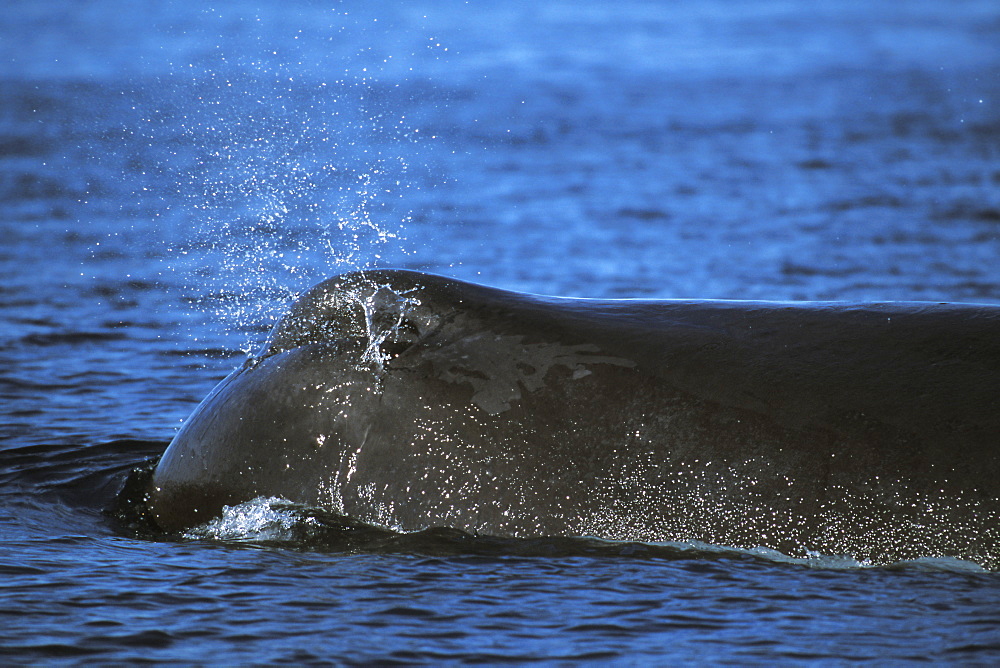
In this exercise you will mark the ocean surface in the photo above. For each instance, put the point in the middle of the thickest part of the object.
(172, 174)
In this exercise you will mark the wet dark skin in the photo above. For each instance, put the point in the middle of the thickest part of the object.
(411, 400)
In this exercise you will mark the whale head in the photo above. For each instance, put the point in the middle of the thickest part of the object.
(300, 408)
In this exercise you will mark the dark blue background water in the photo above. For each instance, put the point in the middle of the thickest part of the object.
(171, 174)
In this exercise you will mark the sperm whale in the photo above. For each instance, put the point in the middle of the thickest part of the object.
(410, 400)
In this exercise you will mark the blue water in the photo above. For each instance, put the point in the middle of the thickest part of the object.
(171, 175)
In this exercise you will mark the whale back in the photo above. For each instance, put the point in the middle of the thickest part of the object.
(410, 400)
(931, 369)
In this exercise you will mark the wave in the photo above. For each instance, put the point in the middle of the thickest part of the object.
(83, 476)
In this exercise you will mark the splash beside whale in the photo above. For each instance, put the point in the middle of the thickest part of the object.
(410, 400)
